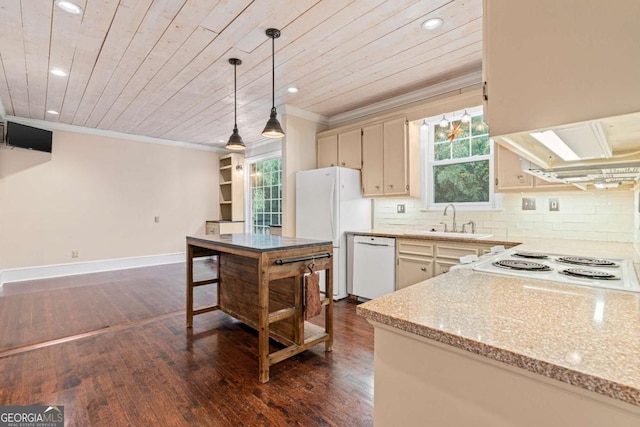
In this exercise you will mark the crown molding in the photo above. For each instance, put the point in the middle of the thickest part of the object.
(457, 83)
(43, 124)
(304, 114)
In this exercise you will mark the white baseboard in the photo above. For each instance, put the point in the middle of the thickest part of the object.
(58, 270)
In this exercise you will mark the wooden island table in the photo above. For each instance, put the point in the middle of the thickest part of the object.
(260, 282)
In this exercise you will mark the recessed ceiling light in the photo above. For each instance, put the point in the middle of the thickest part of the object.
(58, 72)
(293, 89)
(432, 23)
(52, 112)
(69, 7)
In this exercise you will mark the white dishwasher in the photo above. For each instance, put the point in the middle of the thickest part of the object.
(374, 266)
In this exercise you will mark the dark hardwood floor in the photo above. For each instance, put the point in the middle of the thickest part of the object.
(113, 348)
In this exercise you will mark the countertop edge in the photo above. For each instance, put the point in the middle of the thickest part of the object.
(425, 236)
(566, 375)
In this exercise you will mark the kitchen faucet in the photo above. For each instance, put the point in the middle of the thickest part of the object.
(453, 226)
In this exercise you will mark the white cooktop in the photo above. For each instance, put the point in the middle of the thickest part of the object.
(552, 269)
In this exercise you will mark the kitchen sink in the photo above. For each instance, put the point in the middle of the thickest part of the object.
(451, 234)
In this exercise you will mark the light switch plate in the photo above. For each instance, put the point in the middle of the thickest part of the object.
(554, 205)
(528, 204)
(400, 208)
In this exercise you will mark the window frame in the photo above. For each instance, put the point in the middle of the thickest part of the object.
(427, 138)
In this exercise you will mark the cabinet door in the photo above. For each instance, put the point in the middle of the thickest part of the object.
(350, 149)
(508, 171)
(395, 157)
(328, 151)
(543, 62)
(443, 266)
(412, 270)
(372, 160)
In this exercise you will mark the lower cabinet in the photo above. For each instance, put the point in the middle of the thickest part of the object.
(414, 262)
(418, 260)
(449, 254)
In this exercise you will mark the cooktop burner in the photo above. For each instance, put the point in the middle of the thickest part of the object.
(589, 274)
(515, 264)
(536, 255)
(591, 262)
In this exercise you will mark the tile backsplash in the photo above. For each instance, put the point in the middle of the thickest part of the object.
(586, 215)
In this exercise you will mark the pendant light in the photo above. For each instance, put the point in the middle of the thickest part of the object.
(466, 117)
(235, 140)
(444, 122)
(273, 128)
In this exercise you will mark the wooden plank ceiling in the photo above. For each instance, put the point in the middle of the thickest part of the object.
(160, 68)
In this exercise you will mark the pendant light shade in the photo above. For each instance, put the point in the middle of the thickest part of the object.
(273, 128)
(235, 140)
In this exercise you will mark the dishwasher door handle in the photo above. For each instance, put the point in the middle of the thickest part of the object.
(373, 244)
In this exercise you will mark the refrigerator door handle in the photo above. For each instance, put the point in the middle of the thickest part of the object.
(332, 195)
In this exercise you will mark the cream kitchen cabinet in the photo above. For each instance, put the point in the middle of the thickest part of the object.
(509, 175)
(390, 160)
(342, 149)
(414, 262)
(421, 259)
(548, 63)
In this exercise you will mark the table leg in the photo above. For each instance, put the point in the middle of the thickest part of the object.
(328, 311)
(263, 319)
(189, 286)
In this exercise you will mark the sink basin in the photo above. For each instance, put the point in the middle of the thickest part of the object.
(450, 234)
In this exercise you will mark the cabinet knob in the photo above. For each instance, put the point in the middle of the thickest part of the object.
(343, 163)
(520, 178)
(424, 269)
(332, 164)
(377, 187)
(390, 185)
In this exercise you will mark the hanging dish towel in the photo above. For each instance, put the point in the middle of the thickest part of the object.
(312, 306)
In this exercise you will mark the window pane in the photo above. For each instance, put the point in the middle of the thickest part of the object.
(478, 127)
(460, 148)
(461, 182)
(442, 151)
(480, 146)
(440, 133)
(463, 129)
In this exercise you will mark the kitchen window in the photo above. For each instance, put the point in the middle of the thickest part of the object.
(265, 191)
(459, 161)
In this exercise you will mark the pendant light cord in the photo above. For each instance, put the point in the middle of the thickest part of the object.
(235, 100)
(273, 72)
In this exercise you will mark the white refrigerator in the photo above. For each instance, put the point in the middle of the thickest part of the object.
(328, 203)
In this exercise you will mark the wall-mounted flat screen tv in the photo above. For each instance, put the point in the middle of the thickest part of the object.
(28, 137)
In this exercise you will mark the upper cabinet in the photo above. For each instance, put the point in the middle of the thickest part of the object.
(548, 62)
(510, 177)
(341, 149)
(390, 159)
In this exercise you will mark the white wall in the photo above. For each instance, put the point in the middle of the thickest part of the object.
(99, 195)
(593, 215)
(298, 153)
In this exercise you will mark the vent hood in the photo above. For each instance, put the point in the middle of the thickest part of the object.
(605, 152)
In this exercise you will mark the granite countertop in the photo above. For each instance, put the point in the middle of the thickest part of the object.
(586, 337)
(258, 242)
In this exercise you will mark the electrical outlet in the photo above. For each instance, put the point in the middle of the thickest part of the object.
(554, 205)
(528, 204)
(156, 219)
(74, 254)
(400, 208)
